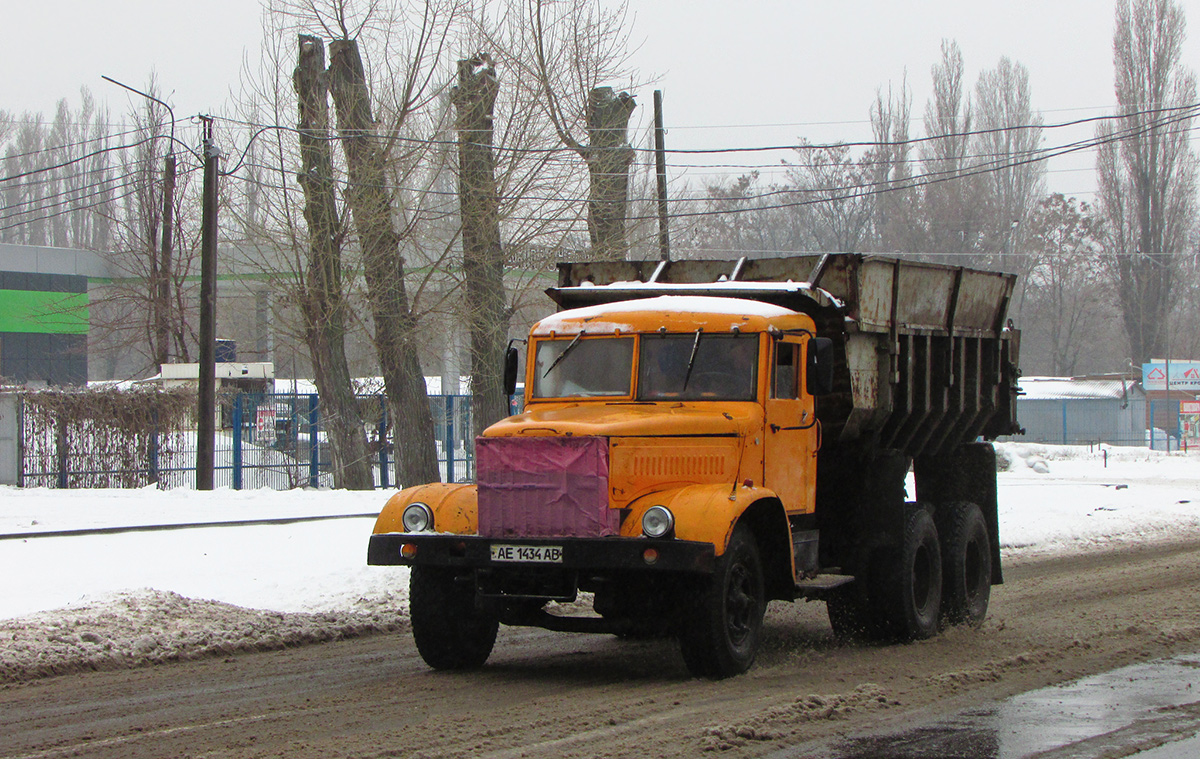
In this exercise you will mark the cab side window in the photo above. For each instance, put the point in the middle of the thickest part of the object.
(785, 382)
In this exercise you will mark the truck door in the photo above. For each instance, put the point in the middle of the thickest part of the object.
(790, 448)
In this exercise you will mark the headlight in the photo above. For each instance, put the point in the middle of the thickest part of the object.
(417, 518)
(657, 522)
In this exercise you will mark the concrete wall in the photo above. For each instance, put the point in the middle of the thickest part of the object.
(10, 435)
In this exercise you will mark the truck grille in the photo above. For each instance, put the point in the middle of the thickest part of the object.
(656, 464)
(544, 487)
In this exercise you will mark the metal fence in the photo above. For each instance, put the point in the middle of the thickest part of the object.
(262, 441)
(1078, 421)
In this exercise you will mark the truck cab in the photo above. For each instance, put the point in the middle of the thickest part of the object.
(653, 431)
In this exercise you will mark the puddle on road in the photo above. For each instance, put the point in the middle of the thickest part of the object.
(1150, 710)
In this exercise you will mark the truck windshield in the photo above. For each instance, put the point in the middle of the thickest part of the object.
(584, 367)
(698, 366)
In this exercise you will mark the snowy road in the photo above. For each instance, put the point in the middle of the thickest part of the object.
(560, 695)
(1102, 565)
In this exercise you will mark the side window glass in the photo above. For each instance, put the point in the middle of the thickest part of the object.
(786, 379)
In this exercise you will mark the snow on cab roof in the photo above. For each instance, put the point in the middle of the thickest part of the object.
(607, 316)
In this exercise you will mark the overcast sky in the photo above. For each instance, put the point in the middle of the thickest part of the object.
(733, 73)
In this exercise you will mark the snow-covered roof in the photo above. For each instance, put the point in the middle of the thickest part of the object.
(631, 315)
(1065, 388)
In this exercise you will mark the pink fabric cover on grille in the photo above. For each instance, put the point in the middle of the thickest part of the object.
(544, 487)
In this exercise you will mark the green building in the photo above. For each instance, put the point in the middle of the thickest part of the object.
(44, 314)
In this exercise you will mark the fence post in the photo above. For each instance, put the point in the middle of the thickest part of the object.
(383, 441)
(314, 444)
(237, 441)
(468, 440)
(448, 441)
(152, 454)
(1064, 422)
(60, 451)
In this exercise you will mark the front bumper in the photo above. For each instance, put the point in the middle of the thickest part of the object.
(578, 554)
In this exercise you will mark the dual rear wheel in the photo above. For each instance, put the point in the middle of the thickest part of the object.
(913, 590)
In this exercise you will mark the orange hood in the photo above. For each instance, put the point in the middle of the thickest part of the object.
(631, 419)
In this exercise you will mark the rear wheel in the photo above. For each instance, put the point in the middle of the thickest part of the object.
(966, 566)
(856, 611)
(449, 631)
(722, 628)
(916, 578)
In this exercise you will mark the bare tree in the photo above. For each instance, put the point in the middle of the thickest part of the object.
(896, 216)
(62, 182)
(1147, 168)
(577, 46)
(952, 211)
(322, 301)
(1067, 296)
(1009, 134)
(143, 312)
(369, 199)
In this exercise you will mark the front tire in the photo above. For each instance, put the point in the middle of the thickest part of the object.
(449, 631)
(723, 628)
(967, 566)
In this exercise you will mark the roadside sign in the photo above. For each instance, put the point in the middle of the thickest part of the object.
(1185, 375)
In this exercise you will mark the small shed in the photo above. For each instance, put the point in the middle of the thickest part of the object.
(1078, 410)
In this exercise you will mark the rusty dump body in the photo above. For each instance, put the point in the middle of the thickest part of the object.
(924, 360)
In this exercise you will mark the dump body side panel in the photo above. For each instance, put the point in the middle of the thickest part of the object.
(925, 361)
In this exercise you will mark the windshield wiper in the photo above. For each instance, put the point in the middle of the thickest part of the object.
(691, 360)
(562, 355)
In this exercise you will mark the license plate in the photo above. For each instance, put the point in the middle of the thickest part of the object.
(534, 554)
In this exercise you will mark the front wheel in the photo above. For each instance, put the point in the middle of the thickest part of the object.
(722, 627)
(449, 631)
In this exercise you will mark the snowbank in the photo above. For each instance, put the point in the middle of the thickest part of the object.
(143, 627)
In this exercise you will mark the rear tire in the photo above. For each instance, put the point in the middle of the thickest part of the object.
(966, 566)
(916, 595)
(722, 628)
(449, 631)
(855, 610)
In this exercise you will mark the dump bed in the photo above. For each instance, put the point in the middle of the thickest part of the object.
(925, 359)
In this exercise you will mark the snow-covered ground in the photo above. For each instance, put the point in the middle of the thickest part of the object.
(83, 601)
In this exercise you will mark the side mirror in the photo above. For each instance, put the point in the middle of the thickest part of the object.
(511, 358)
(820, 366)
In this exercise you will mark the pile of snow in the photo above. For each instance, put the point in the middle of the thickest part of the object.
(137, 628)
(133, 598)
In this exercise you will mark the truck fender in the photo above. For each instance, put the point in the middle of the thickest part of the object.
(708, 513)
(455, 508)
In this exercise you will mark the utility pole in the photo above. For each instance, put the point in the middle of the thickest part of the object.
(162, 295)
(660, 162)
(206, 404)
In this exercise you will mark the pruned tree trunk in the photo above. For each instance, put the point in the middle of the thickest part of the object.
(322, 301)
(370, 202)
(483, 257)
(608, 158)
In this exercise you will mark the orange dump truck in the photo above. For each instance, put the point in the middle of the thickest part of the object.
(702, 437)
